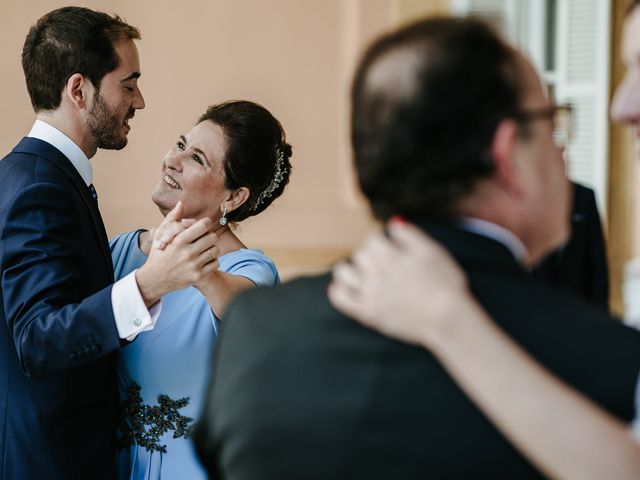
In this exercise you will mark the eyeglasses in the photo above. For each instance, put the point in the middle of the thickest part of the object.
(562, 121)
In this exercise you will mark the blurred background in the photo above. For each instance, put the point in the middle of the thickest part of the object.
(296, 57)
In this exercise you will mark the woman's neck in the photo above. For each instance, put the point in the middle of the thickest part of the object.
(227, 240)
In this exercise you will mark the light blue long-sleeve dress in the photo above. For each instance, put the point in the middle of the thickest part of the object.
(163, 374)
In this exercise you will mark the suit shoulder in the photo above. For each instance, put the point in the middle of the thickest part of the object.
(536, 310)
(20, 172)
(25, 168)
(296, 290)
(277, 308)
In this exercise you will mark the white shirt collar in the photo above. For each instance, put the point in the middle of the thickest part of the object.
(497, 233)
(47, 133)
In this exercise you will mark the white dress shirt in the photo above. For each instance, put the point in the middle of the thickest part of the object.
(129, 310)
(497, 233)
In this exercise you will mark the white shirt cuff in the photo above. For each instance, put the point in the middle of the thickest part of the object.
(129, 310)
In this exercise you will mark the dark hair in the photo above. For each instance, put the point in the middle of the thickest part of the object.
(66, 41)
(257, 155)
(632, 6)
(426, 101)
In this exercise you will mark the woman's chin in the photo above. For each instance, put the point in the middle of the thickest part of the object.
(165, 205)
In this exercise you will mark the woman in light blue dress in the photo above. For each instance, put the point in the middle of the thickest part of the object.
(231, 165)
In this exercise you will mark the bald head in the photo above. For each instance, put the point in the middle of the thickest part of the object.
(395, 75)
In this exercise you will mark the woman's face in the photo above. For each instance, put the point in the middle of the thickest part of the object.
(192, 171)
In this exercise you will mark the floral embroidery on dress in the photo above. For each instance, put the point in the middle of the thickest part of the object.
(145, 424)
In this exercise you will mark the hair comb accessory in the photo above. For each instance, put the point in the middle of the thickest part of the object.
(275, 182)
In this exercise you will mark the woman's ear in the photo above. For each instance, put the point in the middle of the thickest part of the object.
(236, 198)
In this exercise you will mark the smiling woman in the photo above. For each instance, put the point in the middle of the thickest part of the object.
(231, 165)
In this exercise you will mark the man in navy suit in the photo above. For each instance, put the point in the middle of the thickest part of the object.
(62, 317)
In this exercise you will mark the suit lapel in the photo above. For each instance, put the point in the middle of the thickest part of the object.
(43, 149)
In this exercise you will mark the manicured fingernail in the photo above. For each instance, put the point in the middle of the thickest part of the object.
(398, 219)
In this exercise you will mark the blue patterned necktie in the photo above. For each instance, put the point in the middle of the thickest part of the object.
(94, 194)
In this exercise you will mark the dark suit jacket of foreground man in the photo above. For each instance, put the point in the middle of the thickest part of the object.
(58, 336)
(301, 392)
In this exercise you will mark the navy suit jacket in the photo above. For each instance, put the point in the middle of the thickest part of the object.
(58, 394)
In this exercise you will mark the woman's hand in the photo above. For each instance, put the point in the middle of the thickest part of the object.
(405, 286)
(191, 255)
(164, 234)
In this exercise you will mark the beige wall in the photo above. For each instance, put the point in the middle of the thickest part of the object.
(294, 56)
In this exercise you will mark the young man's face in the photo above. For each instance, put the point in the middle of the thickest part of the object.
(625, 107)
(117, 100)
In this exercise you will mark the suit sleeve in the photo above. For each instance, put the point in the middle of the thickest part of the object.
(57, 313)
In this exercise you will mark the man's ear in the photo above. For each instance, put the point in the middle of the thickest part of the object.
(503, 152)
(236, 198)
(77, 90)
